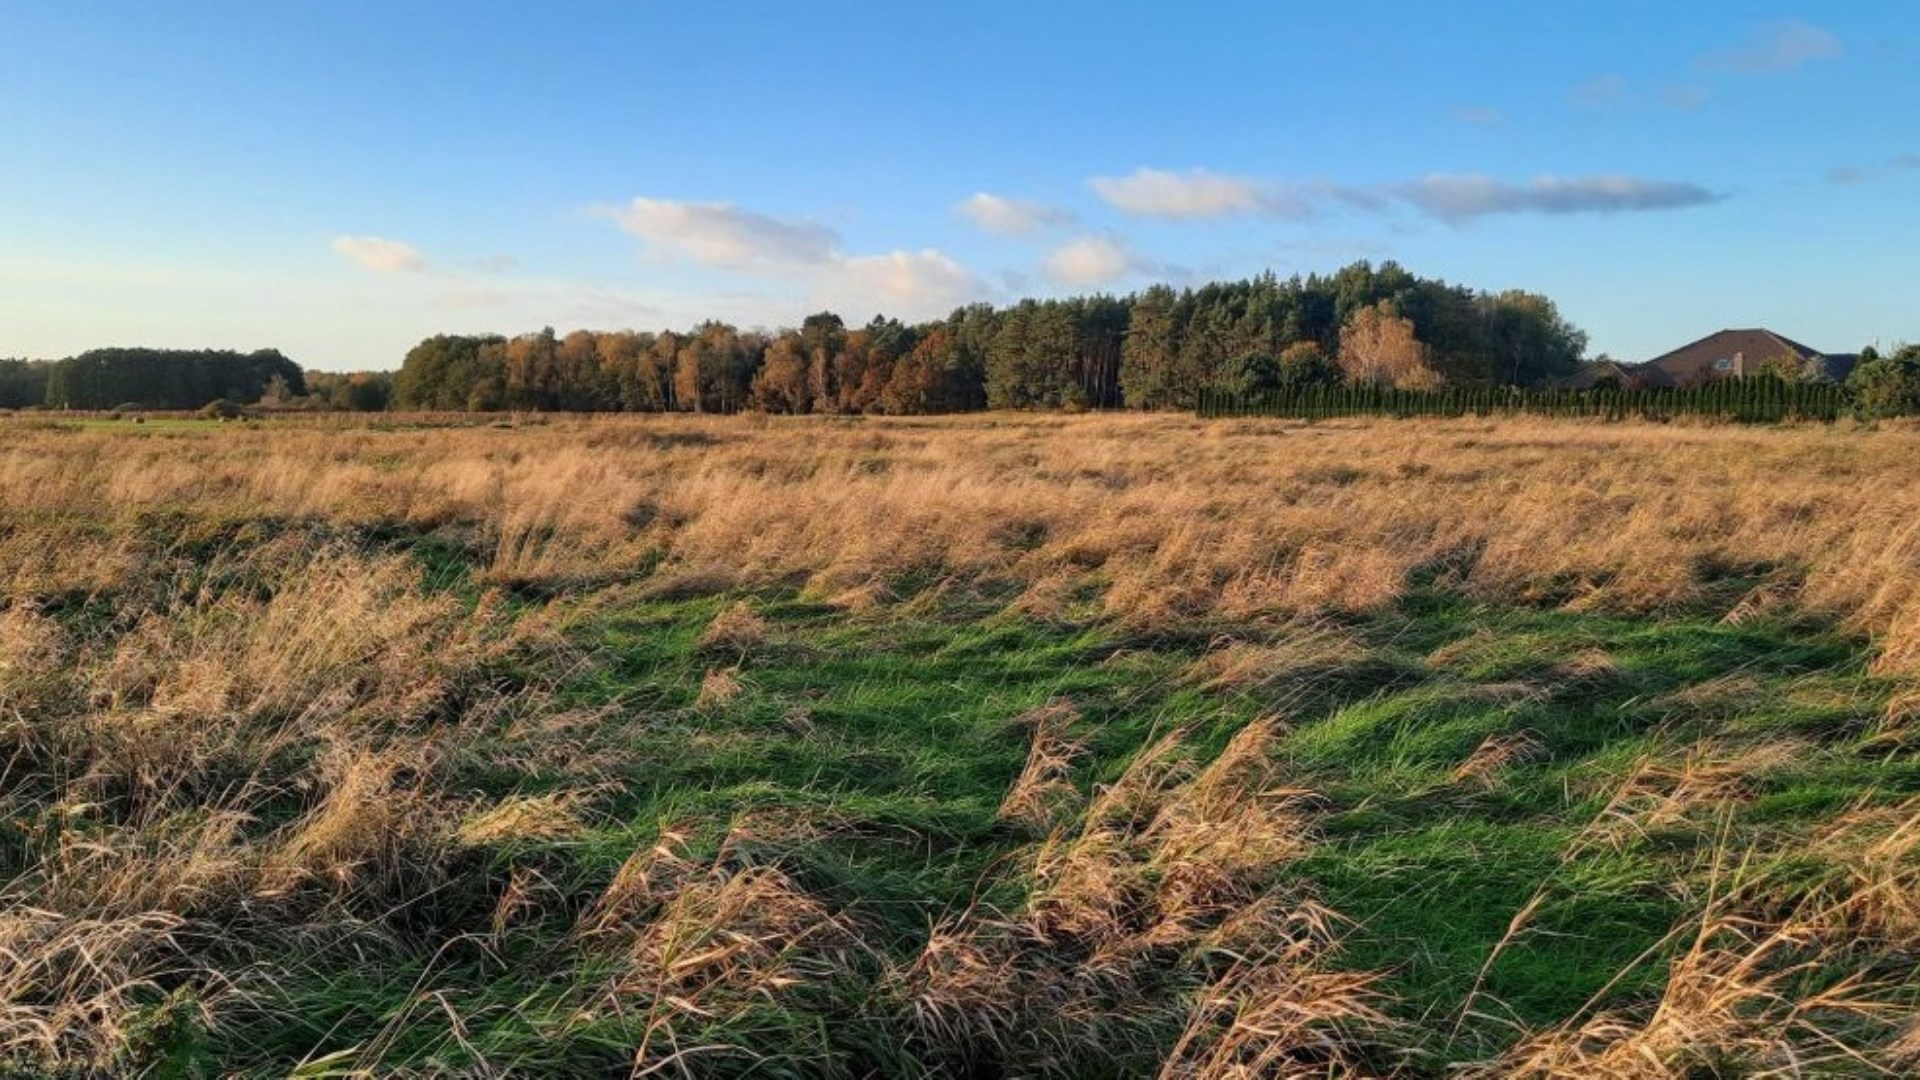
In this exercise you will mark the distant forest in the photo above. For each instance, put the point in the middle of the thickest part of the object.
(1362, 328)
(149, 379)
(1160, 348)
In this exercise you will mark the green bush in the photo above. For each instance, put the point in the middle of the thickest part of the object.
(1887, 385)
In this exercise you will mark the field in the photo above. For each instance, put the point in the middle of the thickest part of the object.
(974, 746)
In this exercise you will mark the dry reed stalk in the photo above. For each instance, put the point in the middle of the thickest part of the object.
(1297, 657)
(1770, 983)
(1495, 754)
(1278, 1011)
(698, 945)
(1740, 998)
(1044, 790)
(1903, 710)
(242, 632)
(1659, 794)
(71, 985)
(548, 817)
(1870, 890)
(363, 826)
(1720, 696)
(968, 986)
(1169, 880)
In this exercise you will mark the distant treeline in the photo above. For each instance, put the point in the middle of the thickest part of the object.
(1159, 348)
(358, 391)
(150, 379)
(23, 383)
(1361, 331)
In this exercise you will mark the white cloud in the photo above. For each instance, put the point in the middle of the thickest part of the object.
(1089, 260)
(378, 254)
(720, 234)
(1460, 198)
(906, 284)
(1196, 193)
(1010, 217)
(802, 259)
(1781, 46)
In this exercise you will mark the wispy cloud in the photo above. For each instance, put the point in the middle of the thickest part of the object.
(1777, 47)
(1610, 93)
(1601, 92)
(1196, 193)
(1461, 198)
(1010, 217)
(1091, 260)
(1453, 198)
(911, 283)
(379, 254)
(1478, 115)
(723, 235)
(1772, 49)
(1848, 175)
(1686, 98)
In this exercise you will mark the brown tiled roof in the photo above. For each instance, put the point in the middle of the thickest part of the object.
(1746, 349)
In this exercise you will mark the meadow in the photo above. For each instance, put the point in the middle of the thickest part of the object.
(989, 745)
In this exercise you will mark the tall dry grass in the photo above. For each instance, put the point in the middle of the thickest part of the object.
(1160, 926)
(212, 758)
(223, 708)
(1149, 519)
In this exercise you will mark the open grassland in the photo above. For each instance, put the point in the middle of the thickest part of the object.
(1096, 746)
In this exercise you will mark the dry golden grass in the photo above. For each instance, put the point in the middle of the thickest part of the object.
(736, 630)
(266, 712)
(1171, 518)
(1496, 754)
(1044, 790)
(1750, 996)
(702, 943)
(260, 731)
(1163, 909)
(1692, 790)
(718, 688)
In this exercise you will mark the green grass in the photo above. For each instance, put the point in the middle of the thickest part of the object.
(889, 735)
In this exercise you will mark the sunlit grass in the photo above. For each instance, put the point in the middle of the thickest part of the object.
(996, 746)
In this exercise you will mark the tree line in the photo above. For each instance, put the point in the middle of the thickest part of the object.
(149, 379)
(1160, 348)
(1361, 328)
(23, 383)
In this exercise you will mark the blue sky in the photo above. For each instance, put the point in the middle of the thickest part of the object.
(341, 179)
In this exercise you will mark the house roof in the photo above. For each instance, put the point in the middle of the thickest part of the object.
(1841, 365)
(1755, 347)
(1590, 373)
